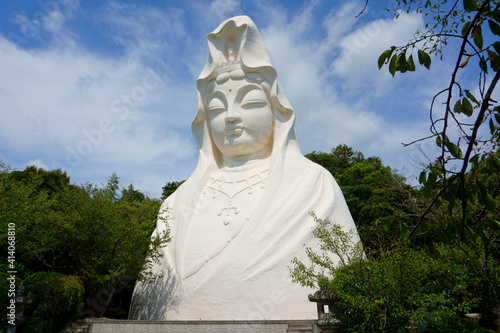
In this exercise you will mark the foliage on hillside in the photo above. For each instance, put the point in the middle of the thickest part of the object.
(378, 198)
(429, 280)
(79, 249)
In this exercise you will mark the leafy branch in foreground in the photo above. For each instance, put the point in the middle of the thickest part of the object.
(333, 239)
(458, 126)
(462, 184)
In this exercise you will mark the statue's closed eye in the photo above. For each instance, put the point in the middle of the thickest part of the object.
(255, 98)
(254, 103)
(216, 105)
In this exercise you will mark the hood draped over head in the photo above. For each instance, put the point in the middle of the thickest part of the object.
(237, 42)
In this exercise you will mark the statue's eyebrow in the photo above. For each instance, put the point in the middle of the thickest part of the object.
(246, 88)
(216, 93)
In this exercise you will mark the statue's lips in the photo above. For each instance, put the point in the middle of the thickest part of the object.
(234, 131)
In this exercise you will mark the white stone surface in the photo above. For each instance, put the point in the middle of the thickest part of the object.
(99, 325)
(243, 214)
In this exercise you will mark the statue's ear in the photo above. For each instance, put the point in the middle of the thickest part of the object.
(279, 101)
(281, 116)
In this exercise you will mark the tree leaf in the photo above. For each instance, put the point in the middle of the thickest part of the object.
(471, 97)
(383, 59)
(494, 27)
(489, 202)
(454, 150)
(441, 235)
(452, 230)
(496, 46)
(463, 64)
(494, 60)
(465, 29)
(482, 188)
(474, 163)
(424, 59)
(422, 177)
(496, 161)
(469, 5)
(432, 252)
(467, 108)
(494, 224)
(477, 34)
(438, 138)
(411, 63)
(401, 64)
(387, 225)
(438, 202)
(457, 108)
(429, 184)
(451, 205)
(392, 65)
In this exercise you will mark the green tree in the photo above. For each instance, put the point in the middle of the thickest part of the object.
(77, 235)
(111, 189)
(49, 182)
(337, 161)
(170, 188)
(54, 297)
(377, 197)
(130, 194)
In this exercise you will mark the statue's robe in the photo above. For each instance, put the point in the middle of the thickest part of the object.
(243, 273)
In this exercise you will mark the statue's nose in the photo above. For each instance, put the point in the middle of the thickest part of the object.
(233, 114)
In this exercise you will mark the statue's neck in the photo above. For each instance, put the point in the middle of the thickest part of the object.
(255, 160)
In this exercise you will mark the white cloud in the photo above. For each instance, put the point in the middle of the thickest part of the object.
(337, 24)
(38, 163)
(75, 110)
(209, 14)
(148, 34)
(324, 120)
(357, 65)
(222, 9)
(48, 22)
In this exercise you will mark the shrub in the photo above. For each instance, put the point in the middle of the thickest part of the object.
(401, 289)
(405, 289)
(55, 298)
(446, 322)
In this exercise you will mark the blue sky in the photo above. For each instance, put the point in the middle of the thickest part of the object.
(102, 87)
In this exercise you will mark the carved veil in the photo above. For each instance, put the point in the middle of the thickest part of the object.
(249, 279)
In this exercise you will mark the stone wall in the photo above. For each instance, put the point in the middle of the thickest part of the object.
(136, 326)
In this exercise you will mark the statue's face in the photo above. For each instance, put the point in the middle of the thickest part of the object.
(241, 118)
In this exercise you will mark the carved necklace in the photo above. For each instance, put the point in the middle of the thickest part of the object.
(231, 189)
(217, 188)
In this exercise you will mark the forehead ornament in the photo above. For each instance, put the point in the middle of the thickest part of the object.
(232, 68)
(232, 63)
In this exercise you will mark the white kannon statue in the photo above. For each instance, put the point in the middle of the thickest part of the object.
(243, 214)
